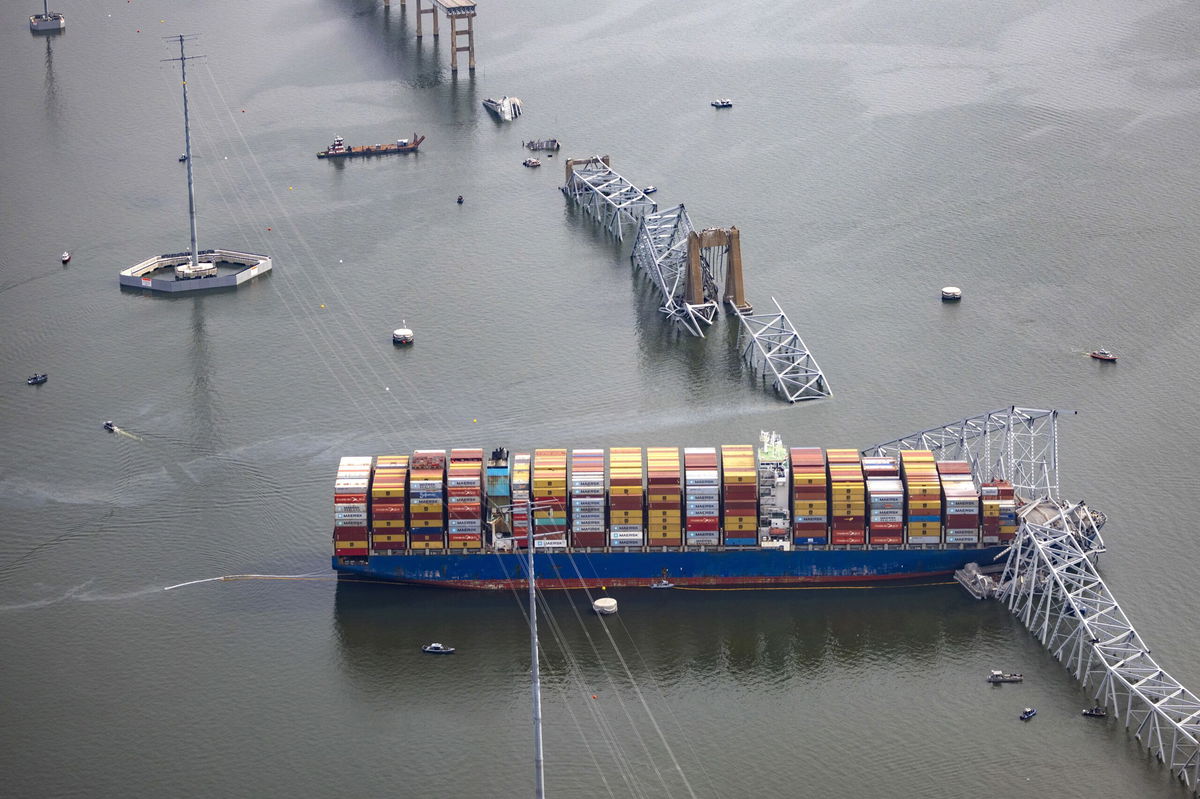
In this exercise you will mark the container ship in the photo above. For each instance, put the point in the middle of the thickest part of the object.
(701, 517)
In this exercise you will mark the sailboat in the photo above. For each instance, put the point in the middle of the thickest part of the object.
(195, 269)
(47, 21)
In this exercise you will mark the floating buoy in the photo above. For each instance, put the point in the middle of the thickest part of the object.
(474, 421)
(594, 696)
(323, 307)
(268, 228)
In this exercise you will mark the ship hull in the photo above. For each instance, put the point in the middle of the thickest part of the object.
(751, 568)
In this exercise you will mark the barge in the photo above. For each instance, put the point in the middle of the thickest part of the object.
(339, 148)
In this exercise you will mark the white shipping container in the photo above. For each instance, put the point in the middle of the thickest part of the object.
(426, 485)
(549, 543)
(924, 539)
(349, 507)
(627, 528)
(633, 537)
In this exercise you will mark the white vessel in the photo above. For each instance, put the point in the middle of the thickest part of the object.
(47, 20)
(605, 606)
(402, 335)
(951, 293)
(507, 108)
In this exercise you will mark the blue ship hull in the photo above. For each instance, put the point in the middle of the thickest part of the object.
(762, 568)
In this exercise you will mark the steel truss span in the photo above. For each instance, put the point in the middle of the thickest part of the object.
(604, 195)
(661, 251)
(772, 345)
(1015, 444)
(1051, 584)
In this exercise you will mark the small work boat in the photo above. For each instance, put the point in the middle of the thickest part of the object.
(37, 379)
(460, 199)
(1028, 713)
(542, 144)
(998, 676)
(1097, 712)
(662, 584)
(605, 606)
(182, 157)
(437, 649)
(47, 20)
(531, 162)
(402, 335)
(66, 256)
(649, 189)
(110, 427)
(951, 294)
(1102, 355)
(724, 102)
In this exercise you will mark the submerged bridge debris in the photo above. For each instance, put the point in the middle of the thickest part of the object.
(1051, 582)
(694, 273)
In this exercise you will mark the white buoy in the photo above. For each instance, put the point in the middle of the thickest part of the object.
(605, 606)
(951, 293)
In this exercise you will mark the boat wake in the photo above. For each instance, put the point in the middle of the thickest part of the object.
(232, 577)
(79, 593)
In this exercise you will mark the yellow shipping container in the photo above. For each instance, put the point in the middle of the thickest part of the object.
(738, 528)
(429, 507)
(379, 492)
(426, 523)
(740, 519)
(662, 528)
(477, 544)
(388, 523)
(667, 515)
(428, 545)
(342, 545)
(395, 538)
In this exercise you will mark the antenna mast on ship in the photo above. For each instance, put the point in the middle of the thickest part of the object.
(193, 255)
(539, 787)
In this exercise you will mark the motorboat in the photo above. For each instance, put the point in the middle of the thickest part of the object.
(649, 189)
(66, 256)
(662, 584)
(506, 108)
(1102, 355)
(1028, 713)
(402, 335)
(951, 294)
(460, 199)
(724, 102)
(605, 606)
(182, 157)
(998, 676)
(110, 427)
(437, 649)
(531, 162)
(1097, 712)
(37, 379)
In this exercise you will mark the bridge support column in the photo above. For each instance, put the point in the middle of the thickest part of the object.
(432, 12)
(735, 287)
(469, 48)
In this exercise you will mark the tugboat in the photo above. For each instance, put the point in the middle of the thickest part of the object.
(66, 256)
(37, 379)
(998, 676)
(437, 649)
(1028, 713)
(531, 162)
(1102, 355)
(1097, 712)
(506, 108)
(110, 427)
(724, 102)
(649, 189)
(339, 148)
(182, 157)
(664, 583)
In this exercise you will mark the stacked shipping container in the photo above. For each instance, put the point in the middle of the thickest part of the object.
(702, 509)
(550, 497)
(663, 497)
(774, 489)
(848, 496)
(499, 491)
(626, 522)
(426, 499)
(464, 499)
(587, 498)
(389, 530)
(960, 502)
(810, 496)
(923, 492)
(999, 512)
(739, 492)
(521, 477)
(350, 506)
(885, 500)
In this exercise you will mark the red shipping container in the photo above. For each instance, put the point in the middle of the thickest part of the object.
(387, 515)
(342, 499)
(390, 545)
(886, 539)
(588, 539)
(467, 537)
